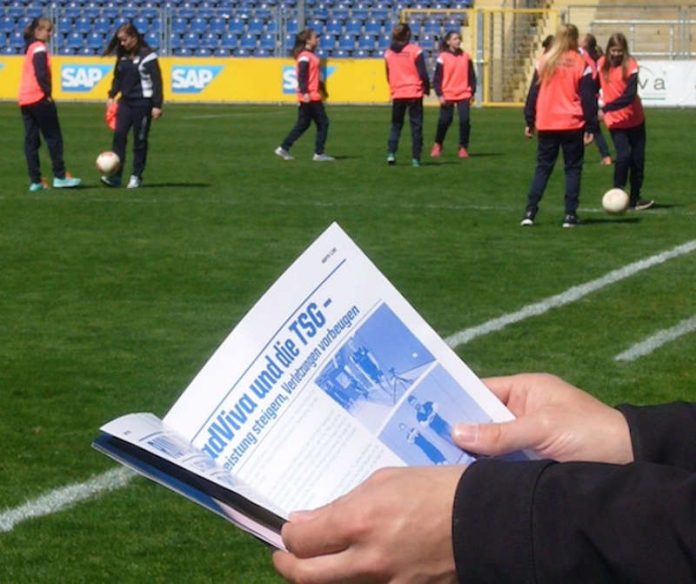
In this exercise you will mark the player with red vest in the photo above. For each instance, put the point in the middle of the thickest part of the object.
(455, 84)
(562, 108)
(39, 111)
(310, 93)
(408, 83)
(622, 112)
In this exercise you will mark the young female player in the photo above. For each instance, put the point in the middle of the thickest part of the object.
(38, 109)
(137, 77)
(562, 108)
(408, 83)
(455, 84)
(592, 52)
(310, 93)
(622, 112)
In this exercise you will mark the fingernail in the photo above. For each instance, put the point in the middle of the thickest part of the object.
(466, 432)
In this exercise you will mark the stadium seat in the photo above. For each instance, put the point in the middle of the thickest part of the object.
(180, 25)
(353, 27)
(267, 42)
(102, 26)
(229, 41)
(334, 27)
(199, 25)
(373, 26)
(75, 41)
(248, 42)
(96, 42)
(218, 25)
(236, 25)
(209, 41)
(346, 43)
(190, 41)
(153, 39)
(7, 25)
(255, 26)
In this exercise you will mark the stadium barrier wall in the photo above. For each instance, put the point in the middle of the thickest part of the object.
(350, 81)
(221, 80)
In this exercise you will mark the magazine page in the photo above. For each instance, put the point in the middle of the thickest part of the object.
(329, 377)
(143, 443)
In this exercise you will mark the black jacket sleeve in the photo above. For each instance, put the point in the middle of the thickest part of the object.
(303, 76)
(627, 97)
(588, 99)
(155, 73)
(547, 522)
(115, 82)
(472, 78)
(437, 79)
(531, 101)
(43, 77)
(423, 73)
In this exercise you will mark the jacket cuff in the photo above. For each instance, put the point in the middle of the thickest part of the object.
(663, 434)
(492, 521)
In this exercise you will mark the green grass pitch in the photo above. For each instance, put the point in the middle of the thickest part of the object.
(111, 300)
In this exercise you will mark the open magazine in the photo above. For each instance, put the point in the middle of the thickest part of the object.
(329, 377)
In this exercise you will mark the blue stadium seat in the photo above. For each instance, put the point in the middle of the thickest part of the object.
(267, 42)
(218, 25)
(75, 41)
(153, 39)
(229, 41)
(190, 41)
(17, 41)
(362, 54)
(7, 24)
(354, 27)
(102, 26)
(367, 42)
(180, 25)
(142, 24)
(373, 26)
(341, 54)
(255, 26)
(334, 27)
(248, 42)
(236, 25)
(96, 42)
(203, 52)
(346, 43)
(199, 25)
(209, 41)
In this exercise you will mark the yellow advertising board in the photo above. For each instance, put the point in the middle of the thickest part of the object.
(222, 80)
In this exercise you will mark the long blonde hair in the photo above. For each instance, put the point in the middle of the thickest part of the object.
(566, 39)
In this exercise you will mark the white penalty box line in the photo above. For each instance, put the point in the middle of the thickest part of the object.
(660, 338)
(65, 497)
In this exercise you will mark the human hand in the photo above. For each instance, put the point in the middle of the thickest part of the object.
(305, 97)
(587, 138)
(554, 419)
(394, 527)
(156, 113)
(529, 131)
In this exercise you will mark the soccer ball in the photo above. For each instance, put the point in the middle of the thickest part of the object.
(615, 201)
(108, 163)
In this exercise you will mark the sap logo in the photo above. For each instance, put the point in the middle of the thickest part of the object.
(78, 78)
(193, 79)
(290, 77)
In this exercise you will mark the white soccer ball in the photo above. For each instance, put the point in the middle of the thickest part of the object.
(108, 163)
(615, 201)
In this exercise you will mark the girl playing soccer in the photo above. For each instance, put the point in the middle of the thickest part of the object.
(310, 92)
(39, 111)
(455, 83)
(408, 83)
(137, 77)
(562, 108)
(622, 112)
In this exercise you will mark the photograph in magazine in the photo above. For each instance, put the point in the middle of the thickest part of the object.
(387, 380)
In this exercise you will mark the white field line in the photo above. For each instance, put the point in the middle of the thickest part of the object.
(64, 497)
(570, 295)
(654, 342)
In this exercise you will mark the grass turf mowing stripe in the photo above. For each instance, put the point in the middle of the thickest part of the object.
(654, 342)
(59, 499)
(570, 295)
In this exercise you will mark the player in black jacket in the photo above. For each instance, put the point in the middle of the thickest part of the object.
(612, 499)
(137, 77)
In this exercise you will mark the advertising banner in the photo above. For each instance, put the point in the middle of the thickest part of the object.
(211, 80)
(667, 83)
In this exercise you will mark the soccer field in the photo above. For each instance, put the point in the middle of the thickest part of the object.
(112, 299)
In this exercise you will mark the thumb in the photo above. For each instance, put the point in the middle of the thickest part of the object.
(496, 438)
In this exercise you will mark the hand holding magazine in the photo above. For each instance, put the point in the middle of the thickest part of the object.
(331, 376)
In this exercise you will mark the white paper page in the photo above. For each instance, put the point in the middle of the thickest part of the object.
(330, 376)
